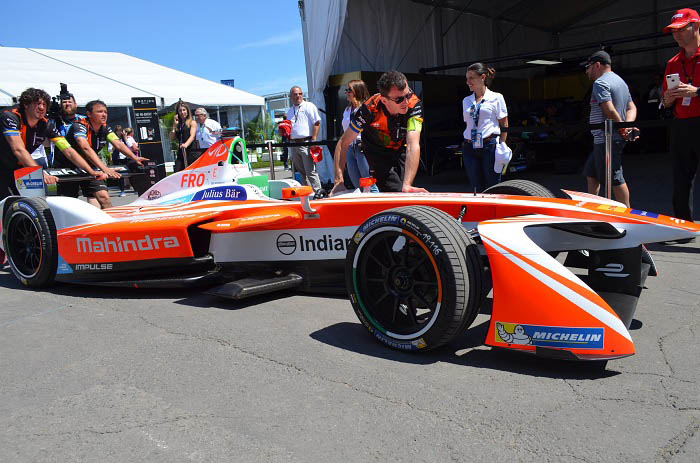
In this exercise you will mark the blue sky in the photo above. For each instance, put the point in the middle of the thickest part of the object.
(257, 43)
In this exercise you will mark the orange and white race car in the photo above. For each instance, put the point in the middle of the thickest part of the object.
(566, 271)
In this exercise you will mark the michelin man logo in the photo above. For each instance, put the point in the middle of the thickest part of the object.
(518, 335)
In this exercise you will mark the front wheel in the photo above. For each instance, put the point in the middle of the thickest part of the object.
(414, 277)
(30, 242)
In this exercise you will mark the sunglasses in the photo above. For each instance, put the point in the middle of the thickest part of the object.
(399, 99)
(347, 90)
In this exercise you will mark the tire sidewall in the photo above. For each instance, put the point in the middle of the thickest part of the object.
(391, 220)
(32, 210)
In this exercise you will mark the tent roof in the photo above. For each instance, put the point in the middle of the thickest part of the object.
(112, 77)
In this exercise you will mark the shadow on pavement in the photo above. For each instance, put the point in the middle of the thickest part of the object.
(355, 338)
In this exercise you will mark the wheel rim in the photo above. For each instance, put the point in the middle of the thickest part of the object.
(397, 283)
(24, 245)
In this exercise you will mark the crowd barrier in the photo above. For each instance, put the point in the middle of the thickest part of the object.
(608, 127)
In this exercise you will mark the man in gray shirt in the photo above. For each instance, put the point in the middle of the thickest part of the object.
(610, 99)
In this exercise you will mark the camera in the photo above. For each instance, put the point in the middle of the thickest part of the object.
(55, 108)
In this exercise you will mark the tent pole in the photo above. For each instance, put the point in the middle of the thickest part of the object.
(128, 116)
(240, 110)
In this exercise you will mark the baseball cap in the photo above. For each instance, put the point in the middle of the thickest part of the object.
(598, 57)
(682, 18)
(503, 156)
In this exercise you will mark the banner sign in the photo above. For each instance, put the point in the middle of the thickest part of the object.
(147, 132)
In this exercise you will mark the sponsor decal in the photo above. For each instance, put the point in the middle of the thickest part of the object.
(117, 245)
(678, 221)
(63, 267)
(357, 237)
(282, 245)
(613, 270)
(286, 244)
(409, 224)
(388, 219)
(402, 345)
(90, 267)
(653, 215)
(30, 184)
(192, 179)
(218, 151)
(609, 207)
(222, 193)
(28, 209)
(153, 194)
(550, 336)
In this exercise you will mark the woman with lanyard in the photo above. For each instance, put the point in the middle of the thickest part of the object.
(184, 131)
(485, 113)
(356, 94)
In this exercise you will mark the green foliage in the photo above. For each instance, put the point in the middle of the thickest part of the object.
(167, 120)
(256, 132)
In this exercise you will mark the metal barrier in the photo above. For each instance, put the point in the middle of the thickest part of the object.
(608, 127)
(269, 145)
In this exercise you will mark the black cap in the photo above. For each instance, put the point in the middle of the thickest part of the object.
(597, 57)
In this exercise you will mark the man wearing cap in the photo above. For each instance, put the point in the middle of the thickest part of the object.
(610, 99)
(686, 107)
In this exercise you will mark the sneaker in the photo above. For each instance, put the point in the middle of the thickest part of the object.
(122, 194)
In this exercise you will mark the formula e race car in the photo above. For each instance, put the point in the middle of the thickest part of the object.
(566, 271)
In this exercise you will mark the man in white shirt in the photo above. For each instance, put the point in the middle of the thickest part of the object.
(208, 130)
(306, 124)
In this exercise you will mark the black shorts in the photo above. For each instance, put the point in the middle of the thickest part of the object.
(595, 165)
(89, 188)
(8, 187)
(387, 168)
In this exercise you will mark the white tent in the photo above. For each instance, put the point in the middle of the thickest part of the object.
(112, 77)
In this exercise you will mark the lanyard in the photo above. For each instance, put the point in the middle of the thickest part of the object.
(474, 113)
(689, 78)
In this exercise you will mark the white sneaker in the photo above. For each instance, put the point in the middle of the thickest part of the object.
(122, 194)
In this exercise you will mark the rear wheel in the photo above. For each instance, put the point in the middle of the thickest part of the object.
(521, 188)
(414, 277)
(30, 242)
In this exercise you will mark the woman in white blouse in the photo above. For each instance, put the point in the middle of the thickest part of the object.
(484, 113)
(356, 93)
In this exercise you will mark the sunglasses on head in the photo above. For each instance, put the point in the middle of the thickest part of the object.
(399, 99)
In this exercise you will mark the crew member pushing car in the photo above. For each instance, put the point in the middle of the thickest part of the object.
(88, 136)
(23, 130)
(390, 122)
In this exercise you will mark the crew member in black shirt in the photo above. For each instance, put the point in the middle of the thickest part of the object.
(88, 136)
(23, 130)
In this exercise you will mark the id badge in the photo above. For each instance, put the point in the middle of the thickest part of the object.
(478, 141)
(686, 101)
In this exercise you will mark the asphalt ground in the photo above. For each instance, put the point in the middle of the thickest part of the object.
(115, 375)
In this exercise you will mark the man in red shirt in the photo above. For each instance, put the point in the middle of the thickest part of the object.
(685, 101)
